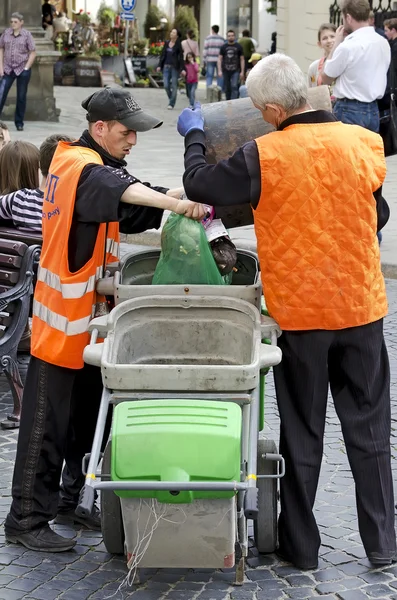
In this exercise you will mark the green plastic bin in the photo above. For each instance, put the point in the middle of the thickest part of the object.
(176, 440)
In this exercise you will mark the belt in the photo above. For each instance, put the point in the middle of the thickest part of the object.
(357, 101)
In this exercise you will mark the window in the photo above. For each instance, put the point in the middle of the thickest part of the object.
(239, 15)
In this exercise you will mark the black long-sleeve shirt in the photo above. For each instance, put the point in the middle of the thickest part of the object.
(233, 184)
(98, 200)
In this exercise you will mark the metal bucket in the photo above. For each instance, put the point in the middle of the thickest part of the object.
(231, 124)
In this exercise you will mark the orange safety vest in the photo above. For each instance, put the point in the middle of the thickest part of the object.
(64, 302)
(316, 226)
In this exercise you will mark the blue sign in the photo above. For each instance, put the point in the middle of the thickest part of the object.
(128, 5)
(127, 16)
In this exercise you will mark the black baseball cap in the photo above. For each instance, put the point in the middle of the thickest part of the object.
(113, 104)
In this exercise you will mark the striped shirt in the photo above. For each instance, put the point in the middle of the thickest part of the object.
(212, 45)
(24, 208)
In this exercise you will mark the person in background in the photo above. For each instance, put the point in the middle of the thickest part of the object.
(358, 63)
(273, 45)
(61, 25)
(324, 287)
(172, 65)
(391, 35)
(4, 134)
(17, 55)
(190, 45)
(192, 70)
(212, 46)
(326, 39)
(48, 13)
(23, 202)
(371, 22)
(19, 167)
(231, 65)
(255, 58)
(248, 47)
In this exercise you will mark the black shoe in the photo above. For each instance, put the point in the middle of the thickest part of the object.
(303, 566)
(381, 561)
(43, 539)
(69, 517)
(19, 127)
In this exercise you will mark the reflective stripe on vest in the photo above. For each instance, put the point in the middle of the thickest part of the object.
(68, 290)
(113, 248)
(59, 322)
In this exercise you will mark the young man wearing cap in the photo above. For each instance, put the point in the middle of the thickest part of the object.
(89, 196)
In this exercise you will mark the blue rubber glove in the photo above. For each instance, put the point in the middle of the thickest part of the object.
(189, 119)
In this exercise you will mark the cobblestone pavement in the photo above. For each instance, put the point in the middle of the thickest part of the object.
(89, 572)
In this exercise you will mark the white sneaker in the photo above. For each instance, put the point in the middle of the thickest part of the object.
(169, 107)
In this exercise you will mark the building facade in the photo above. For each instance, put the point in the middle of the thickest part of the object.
(228, 14)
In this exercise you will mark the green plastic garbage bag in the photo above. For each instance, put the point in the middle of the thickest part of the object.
(186, 256)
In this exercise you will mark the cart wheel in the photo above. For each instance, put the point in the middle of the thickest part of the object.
(265, 527)
(111, 516)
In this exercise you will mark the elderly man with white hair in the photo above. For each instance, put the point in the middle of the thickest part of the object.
(315, 186)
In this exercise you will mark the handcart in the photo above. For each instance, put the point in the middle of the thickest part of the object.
(185, 468)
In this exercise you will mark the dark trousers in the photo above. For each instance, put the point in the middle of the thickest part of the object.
(22, 90)
(231, 82)
(354, 362)
(59, 413)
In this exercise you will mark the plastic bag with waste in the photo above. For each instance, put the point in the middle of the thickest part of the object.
(186, 256)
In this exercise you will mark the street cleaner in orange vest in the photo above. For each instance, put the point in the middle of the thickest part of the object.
(315, 187)
(89, 197)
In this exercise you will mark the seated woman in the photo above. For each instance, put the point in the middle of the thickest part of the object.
(21, 190)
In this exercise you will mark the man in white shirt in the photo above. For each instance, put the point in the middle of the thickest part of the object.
(358, 63)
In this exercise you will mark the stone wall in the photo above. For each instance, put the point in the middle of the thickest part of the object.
(297, 25)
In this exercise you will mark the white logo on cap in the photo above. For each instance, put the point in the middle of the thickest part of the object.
(132, 104)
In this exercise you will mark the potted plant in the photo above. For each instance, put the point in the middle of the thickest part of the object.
(140, 47)
(68, 74)
(185, 20)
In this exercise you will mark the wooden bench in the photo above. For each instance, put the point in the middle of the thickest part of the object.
(19, 257)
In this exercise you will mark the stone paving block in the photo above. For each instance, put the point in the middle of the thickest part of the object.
(338, 558)
(242, 594)
(285, 571)
(28, 561)
(44, 592)
(353, 568)
(7, 594)
(377, 577)
(259, 574)
(25, 585)
(188, 585)
(4, 579)
(328, 575)
(212, 595)
(5, 559)
(377, 590)
(273, 594)
(299, 580)
(298, 593)
(353, 582)
(329, 587)
(352, 595)
(261, 561)
(218, 585)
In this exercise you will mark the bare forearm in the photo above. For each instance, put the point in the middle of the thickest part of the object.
(31, 59)
(220, 64)
(141, 195)
(1, 59)
(176, 192)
